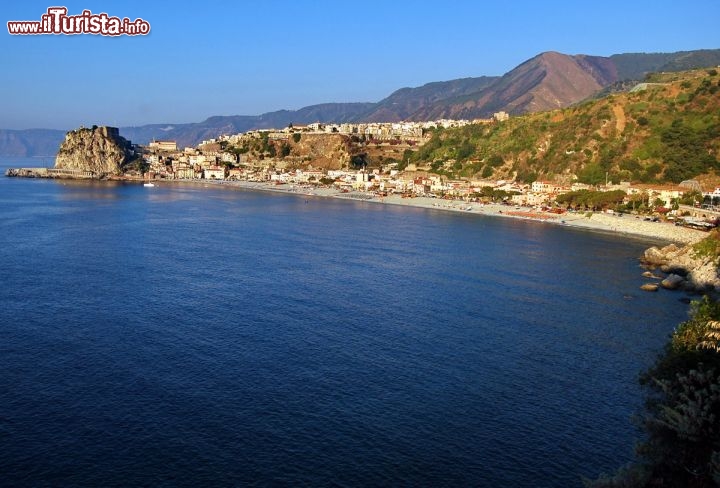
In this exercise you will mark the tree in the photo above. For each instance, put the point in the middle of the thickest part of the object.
(359, 161)
(296, 137)
(465, 150)
(638, 200)
(691, 197)
(495, 161)
(140, 165)
(682, 410)
(686, 150)
(592, 174)
(592, 199)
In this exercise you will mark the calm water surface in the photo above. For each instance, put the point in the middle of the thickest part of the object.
(182, 335)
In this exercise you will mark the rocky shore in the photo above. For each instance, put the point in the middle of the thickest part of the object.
(681, 267)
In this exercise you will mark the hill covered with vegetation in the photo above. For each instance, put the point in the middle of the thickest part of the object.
(664, 130)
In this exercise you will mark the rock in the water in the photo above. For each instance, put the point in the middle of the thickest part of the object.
(654, 256)
(649, 274)
(650, 287)
(700, 272)
(98, 149)
(672, 282)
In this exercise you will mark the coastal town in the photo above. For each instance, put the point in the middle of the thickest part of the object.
(218, 160)
(321, 160)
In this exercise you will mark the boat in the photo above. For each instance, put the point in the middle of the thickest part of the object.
(149, 184)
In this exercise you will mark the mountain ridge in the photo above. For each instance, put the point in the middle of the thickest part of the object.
(547, 81)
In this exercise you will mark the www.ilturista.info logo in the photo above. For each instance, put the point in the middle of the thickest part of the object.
(57, 21)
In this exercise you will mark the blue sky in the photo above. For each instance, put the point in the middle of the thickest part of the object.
(249, 57)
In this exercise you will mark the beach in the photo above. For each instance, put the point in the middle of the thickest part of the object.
(630, 225)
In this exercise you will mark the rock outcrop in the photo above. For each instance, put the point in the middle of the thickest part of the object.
(97, 149)
(323, 151)
(685, 267)
(672, 282)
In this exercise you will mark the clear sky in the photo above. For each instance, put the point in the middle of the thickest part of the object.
(248, 57)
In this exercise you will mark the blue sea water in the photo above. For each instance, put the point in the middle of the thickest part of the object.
(200, 336)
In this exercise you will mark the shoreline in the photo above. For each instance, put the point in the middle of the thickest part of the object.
(627, 225)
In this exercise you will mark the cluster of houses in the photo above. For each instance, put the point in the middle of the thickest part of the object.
(209, 161)
(165, 160)
(381, 131)
(192, 165)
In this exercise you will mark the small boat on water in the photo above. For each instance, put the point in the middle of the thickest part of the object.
(149, 184)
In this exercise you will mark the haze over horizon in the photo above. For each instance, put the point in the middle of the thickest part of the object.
(205, 59)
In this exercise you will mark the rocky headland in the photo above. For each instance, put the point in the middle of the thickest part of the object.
(100, 150)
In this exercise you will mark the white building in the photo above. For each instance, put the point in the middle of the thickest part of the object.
(214, 173)
(169, 146)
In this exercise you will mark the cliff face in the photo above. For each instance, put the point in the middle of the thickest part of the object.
(325, 151)
(299, 151)
(98, 149)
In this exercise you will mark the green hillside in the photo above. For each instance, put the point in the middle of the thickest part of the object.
(666, 130)
(634, 66)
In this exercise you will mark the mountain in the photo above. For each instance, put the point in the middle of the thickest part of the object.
(403, 103)
(30, 142)
(635, 66)
(549, 80)
(666, 130)
(191, 134)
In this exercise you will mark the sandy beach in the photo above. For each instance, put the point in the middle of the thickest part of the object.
(630, 225)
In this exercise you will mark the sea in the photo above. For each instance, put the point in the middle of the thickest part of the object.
(199, 335)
